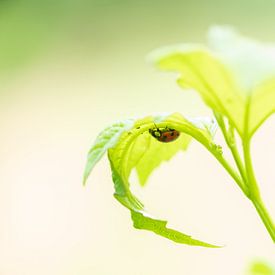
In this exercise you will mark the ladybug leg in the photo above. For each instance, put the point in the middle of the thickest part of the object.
(157, 129)
(168, 129)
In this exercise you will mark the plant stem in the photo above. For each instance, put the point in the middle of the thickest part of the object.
(251, 179)
(228, 168)
(231, 143)
(265, 217)
(254, 194)
(248, 182)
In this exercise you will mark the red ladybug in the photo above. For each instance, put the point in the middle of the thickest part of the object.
(165, 134)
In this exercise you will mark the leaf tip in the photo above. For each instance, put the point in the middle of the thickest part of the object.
(84, 182)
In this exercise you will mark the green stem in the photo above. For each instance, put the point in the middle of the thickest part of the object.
(254, 194)
(212, 148)
(265, 217)
(228, 168)
(239, 164)
(246, 178)
(248, 184)
(251, 179)
(231, 143)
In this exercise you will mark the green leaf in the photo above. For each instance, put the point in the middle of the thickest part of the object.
(262, 105)
(135, 147)
(202, 71)
(234, 75)
(253, 66)
(105, 140)
(158, 152)
(250, 61)
(142, 221)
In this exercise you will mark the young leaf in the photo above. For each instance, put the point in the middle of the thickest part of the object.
(130, 150)
(202, 71)
(146, 153)
(235, 76)
(262, 105)
(143, 221)
(158, 152)
(253, 65)
(105, 140)
(250, 61)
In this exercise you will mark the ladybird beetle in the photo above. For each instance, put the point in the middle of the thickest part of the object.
(165, 134)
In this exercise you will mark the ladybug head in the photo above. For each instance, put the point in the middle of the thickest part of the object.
(155, 132)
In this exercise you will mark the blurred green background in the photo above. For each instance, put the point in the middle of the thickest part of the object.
(68, 69)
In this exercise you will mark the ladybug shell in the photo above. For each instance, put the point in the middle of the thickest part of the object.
(168, 136)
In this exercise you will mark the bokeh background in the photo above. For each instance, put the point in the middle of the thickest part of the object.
(67, 69)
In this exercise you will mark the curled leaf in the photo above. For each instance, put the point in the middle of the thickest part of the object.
(137, 149)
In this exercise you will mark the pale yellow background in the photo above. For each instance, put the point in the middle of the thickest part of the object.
(90, 72)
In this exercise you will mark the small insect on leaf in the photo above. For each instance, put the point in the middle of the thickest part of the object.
(130, 146)
(165, 134)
